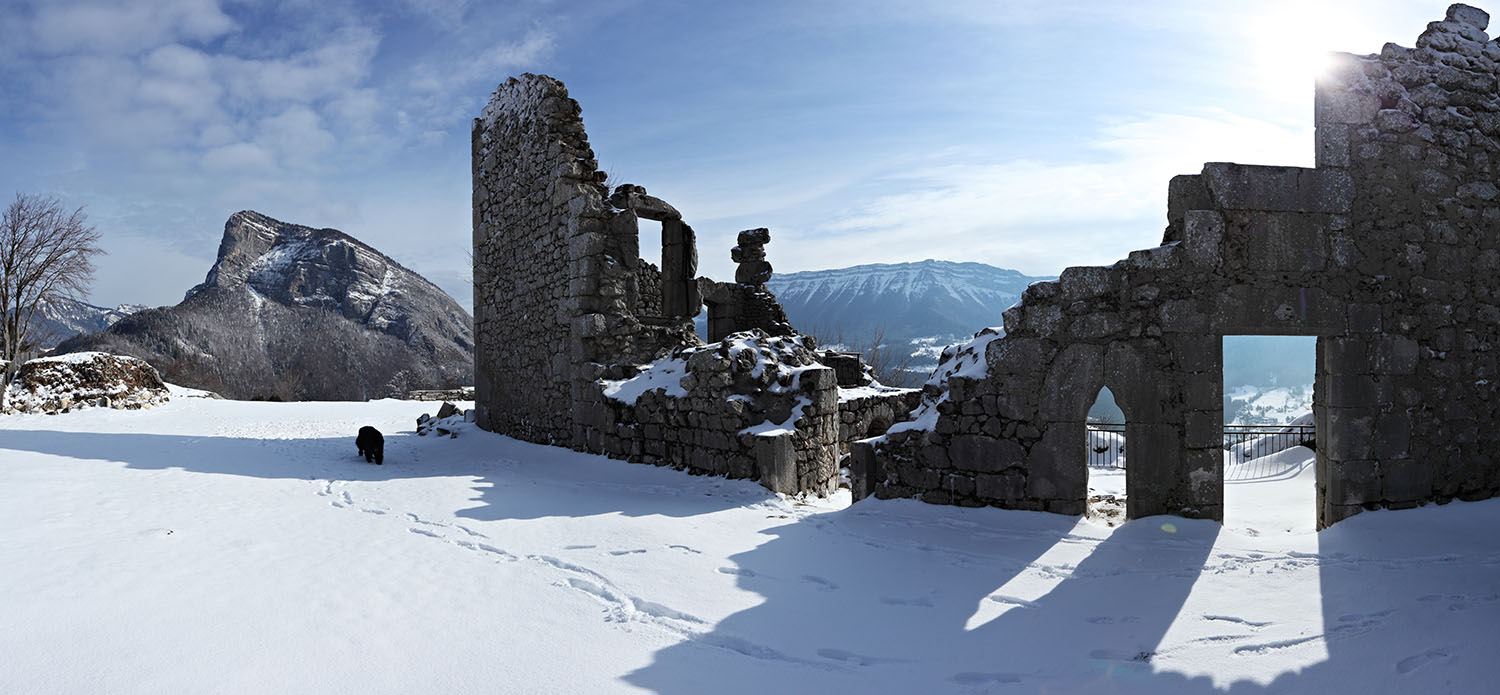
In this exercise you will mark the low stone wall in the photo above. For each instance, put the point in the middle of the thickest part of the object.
(869, 411)
(751, 406)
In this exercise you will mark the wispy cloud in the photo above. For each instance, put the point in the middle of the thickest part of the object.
(1035, 215)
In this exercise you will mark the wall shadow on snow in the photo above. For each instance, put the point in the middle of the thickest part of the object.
(513, 479)
(1097, 630)
(841, 640)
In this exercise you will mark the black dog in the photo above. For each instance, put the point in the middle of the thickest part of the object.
(371, 444)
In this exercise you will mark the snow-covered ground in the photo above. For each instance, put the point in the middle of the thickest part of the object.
(221, 546)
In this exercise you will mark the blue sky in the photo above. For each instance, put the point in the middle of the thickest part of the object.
(1030, 135)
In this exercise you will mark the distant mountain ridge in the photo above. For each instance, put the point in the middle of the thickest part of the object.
(63, 319)
(300, 313)
(904, 300)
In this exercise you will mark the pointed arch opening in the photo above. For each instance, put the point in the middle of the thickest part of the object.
(1105, 449)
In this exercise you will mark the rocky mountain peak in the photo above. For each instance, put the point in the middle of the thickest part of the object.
(298, 312)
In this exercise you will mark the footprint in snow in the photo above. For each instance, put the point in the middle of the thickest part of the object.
(685, 549)
(627, 552)
(579, 547)
(1416, 661)
(425, 532)
(821, 583)
(919, 601)
(856, 659)
(739, 571)
(977, 678)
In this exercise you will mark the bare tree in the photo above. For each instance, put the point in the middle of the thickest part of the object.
(46, 255)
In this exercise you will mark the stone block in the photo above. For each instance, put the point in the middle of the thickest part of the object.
(1332, 145)
(1396, 354)
(1350, 435)
(1203, 237)
(1085, 282)
(862, 469)
(1203, 428)
(1286, 242)
(1469, 15)
(1364, 318)
(983, 454)
(1334, 105)
(1392, 436)
(1000, 487)
(776, 463)
(1015, 355)
(1280, 189)
(1056, 467)
(1185, 193)
(1072, 383)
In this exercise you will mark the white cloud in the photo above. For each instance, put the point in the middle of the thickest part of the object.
(320, 72)
(1040, 216)
(60, 26)
(240, 157)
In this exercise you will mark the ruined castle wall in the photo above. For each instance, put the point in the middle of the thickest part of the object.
(1385, 251)
(565, 307)
(750, 406)
(534, 195)
(1417, 130)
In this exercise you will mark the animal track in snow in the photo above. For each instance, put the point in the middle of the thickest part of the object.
(856, 659)
(1237, 620)
(419, 520)
(920, 601)
(1267, 647)
(627, 552)
(976, 678)
(1416, 661)
(579, 547)
(821, 583)
(1011, 600)
(425, 532)
(683, 548)
(739, 571)
(620, 606)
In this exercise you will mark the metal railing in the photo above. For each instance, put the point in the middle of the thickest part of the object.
(1247, 448)
(1106, 445)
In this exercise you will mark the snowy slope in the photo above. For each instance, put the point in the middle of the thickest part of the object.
(221, 546)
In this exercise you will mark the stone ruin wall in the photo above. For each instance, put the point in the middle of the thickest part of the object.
(1387, 251)
(751, 406)
(565, 305)
(533, 182)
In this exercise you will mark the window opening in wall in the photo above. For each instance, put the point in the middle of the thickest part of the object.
(1269, 438)
(1105, 449)
(649, 276)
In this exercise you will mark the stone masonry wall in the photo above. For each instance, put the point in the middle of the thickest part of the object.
(565, 306)
(751, 406)
(1386, 252)
(533, 182)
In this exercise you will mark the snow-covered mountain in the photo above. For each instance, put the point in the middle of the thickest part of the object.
(908, 300)
(915, 309)
(296, 312)
(63, 319)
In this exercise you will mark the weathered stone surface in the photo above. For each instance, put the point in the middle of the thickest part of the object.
(83, 379)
